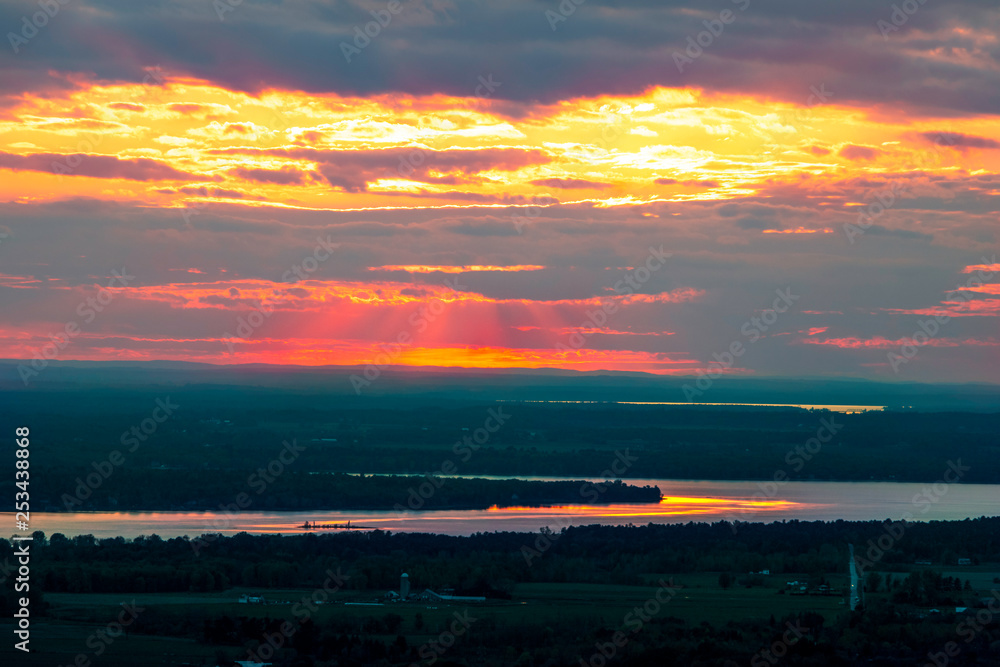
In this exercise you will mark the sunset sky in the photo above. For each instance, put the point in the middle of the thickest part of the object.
(465, 186)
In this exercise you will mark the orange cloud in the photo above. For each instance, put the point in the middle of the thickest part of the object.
(404, 151)
(415, 268)
(880, 343)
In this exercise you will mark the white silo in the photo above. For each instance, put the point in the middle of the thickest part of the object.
(404, 586)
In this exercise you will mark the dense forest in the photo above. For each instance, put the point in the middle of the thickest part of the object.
(552, 599)
(891, 630)
(238, 490)
(619, 554)
(109, 450)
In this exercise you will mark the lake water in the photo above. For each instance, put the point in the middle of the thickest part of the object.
(848, 409)
(683, 501)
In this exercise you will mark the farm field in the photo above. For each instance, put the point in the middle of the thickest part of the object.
(75, 618)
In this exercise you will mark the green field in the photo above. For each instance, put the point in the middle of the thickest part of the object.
(74, 617)
(699, 598)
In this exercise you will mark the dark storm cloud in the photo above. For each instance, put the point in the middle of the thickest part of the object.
(778, 48)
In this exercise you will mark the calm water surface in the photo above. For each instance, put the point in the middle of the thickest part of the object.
(683, 501)
(849, 409)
